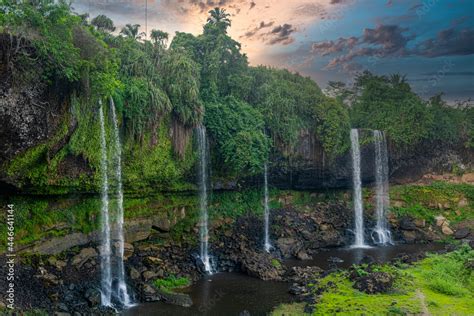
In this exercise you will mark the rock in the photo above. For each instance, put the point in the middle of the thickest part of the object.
(163, 225)
(261, 265)
(61, 314)
(287, 246)
(446, 230)
(127, 249)
(134, 274)
(375, 282)
(302, 255)
(84, 255)
(463, 202)
(406, 223)
(440, 220)
(152, 261)
(58, 264)
(147, 275)
(93, 297)
(420, 223)
(462, 233)
(179, 299)
(48, 279)
(63, 307)
(409, 236)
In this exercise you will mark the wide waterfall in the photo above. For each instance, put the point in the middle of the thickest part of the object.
(106, 277)
(203, 181)
(122, 293)
(357, 191)
(267, 245)
(381, 233)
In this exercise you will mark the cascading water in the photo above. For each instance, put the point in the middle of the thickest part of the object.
(122, 293)
(381, 233)
(267, 245)
(357, 195)
(106, 277)
(203, 174)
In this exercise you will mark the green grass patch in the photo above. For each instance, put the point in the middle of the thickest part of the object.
(171, 283)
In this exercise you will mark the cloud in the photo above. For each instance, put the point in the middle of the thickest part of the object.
(281, 35)
(256, 29)
(448, 42)
(393, 41)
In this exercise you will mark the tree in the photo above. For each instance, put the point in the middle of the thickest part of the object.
(159, 37)
(220, 18)
(131, 31)
(103, 23)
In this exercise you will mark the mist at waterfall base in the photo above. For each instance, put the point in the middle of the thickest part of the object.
(203, 174)
(381, 234)
(114, 292)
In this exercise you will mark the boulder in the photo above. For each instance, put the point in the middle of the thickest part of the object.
(134, 274)
(462, 233)
(84, 255)
(147, 275)
(447, 230)
(288, 246)
(406, 223)
(93, 297)
(409, 236)
(420, 223)
(302, 255)
(261, 265)
(127, 249)
(375, 282)
(179, 299)
(440, 220)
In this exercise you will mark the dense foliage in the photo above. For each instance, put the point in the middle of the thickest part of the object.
(163, 92)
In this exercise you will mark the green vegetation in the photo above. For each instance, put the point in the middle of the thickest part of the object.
(453, 201)
(171, 283)
(439, 284)
(162, 92)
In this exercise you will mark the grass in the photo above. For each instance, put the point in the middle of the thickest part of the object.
(442, 284)
(295, 309)
(438, 198)
(171, 283)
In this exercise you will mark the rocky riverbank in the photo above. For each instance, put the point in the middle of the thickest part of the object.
(68, 281)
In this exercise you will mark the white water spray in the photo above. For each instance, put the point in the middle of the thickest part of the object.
(106, 276)
(122, 292)
(381, 233)
(267, 245)
(203, 174)
(357, 195)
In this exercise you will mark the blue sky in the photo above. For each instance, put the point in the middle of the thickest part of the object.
(429, 41)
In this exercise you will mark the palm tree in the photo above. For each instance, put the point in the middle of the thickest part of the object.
(131, 31)
(103, 23)
(159, 37)
(219, 17)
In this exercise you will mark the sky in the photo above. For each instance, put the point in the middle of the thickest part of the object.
(431, 42)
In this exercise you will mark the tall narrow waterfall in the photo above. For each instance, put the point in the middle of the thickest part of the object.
(122, 293)
(203, 181)
(106, 277)
(357, 195)
(381, 233)
(267, 245)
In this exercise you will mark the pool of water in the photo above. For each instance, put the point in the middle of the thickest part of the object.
(238, 294)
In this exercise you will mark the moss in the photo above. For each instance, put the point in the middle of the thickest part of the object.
(171, 283)
(276, 263)
(295, 309)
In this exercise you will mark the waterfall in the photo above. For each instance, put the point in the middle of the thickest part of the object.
(122, 292)
(267, 245)
(203, 180)
(357, 195)
(106, 277)
(381, 233)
